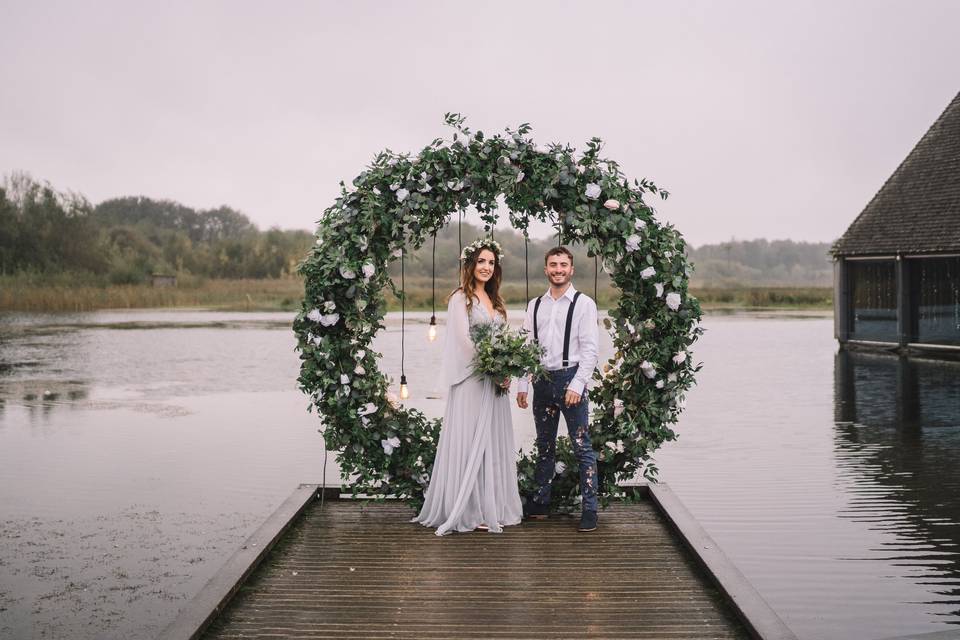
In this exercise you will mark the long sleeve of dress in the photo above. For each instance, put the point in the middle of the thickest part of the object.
(523, 383)
(458, 348)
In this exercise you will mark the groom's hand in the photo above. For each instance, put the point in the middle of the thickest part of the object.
(571, 398)
(522, 399)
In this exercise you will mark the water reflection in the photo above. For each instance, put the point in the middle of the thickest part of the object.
(897, 442)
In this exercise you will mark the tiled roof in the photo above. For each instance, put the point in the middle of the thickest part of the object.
(917, 210)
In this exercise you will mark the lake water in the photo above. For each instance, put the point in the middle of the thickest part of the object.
(139, 449)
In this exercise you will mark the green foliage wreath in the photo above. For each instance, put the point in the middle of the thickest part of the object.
(399, 201)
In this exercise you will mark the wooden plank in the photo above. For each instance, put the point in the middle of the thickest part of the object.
(354, 569)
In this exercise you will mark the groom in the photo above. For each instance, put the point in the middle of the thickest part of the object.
(564, 322)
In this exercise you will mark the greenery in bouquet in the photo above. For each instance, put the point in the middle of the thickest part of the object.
(502, 354)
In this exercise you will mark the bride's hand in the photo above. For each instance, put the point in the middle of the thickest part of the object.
(505, 385)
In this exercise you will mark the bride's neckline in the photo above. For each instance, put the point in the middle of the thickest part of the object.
(489, 309)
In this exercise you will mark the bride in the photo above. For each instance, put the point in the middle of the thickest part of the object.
(474, 480)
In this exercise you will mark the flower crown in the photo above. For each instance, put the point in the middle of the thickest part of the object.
(482, 243)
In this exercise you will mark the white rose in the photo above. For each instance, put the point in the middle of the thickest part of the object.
(402, 195)
(344, 378)
(659, 384)
(680, 358)
(394, 186)
(672, 377)
(368, 409)
(659, 288)
(612, 204)
(314, 315)
(359, 370)
(639, 224)
(330, 319)
(520, 176)
(397, 253)
(390, 444)
(668, 254)
(593, 191)
(673, 300)
(633, 242)
(359, 354)
(648, 273)
(329, 306)
(348, 273)
(368, 270)
(581, 169)
(648, 369)
(617, 407)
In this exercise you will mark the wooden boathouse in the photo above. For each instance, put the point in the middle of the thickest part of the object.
(326, 567)
(897, 267)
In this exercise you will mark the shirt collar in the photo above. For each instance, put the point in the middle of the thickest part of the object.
(569, 293)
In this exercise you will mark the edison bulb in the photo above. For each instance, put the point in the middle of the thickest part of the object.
(432, 333)
(404, 392)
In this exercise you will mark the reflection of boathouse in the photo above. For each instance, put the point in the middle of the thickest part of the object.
(897, 267)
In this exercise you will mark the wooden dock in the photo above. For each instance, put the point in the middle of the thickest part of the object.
(351, 569)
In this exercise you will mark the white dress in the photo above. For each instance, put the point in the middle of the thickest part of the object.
(474, 479)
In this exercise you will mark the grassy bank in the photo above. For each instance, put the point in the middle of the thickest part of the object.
(20, 293)
(68, 293)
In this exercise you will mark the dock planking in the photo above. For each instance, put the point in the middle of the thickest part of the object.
(360, 570)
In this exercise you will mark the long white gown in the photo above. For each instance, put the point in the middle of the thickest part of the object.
(474, 479)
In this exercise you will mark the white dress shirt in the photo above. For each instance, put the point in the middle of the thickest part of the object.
(584, 335)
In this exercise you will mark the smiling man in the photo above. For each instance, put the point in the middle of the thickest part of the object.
(564, 322)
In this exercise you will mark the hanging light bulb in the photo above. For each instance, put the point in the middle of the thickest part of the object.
(404, 392)
(432, 332)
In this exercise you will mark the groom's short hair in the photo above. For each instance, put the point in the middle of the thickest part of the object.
(556, 251)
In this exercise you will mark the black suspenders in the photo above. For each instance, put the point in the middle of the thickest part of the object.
(566, 329)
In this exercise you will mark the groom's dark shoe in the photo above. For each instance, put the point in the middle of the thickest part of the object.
(537, 511)
(588, 521)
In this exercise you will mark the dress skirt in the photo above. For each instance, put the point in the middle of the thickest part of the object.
(474, 479)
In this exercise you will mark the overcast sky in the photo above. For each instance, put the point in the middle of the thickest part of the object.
(764, 119)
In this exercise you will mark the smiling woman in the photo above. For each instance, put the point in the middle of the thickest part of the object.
(400, 201)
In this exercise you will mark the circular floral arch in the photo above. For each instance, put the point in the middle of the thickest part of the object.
(398, 202)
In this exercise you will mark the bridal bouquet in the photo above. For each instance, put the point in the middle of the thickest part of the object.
(503, 354)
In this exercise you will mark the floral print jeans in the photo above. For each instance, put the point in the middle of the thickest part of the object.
(548, 404)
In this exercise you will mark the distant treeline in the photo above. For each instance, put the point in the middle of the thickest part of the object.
(123, 240)
(45, 232)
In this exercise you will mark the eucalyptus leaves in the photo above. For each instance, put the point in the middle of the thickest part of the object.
(398, 201)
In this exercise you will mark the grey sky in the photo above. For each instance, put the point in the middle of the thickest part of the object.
(763, 119)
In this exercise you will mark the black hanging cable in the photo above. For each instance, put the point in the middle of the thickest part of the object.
(526, 260)
(596, 275)
(403, 322)
(432, 332)
(460, 233)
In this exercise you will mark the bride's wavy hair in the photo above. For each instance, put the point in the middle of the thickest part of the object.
(468, 281)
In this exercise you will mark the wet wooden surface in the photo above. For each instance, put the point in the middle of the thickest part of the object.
(355, 570)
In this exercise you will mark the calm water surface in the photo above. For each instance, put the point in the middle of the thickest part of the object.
(139, 449)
